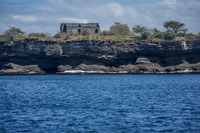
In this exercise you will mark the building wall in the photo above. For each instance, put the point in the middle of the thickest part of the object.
(73, 28)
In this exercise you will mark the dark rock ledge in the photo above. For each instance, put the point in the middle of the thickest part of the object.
(38, 57)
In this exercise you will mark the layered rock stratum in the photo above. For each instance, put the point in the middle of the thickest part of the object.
(33, 56)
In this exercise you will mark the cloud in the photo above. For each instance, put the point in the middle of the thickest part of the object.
(47, 9)
(116, 9)
(72, 20)
(169, 3)
(40, 29)
(27, 18)
(57, 1)
(32, 14)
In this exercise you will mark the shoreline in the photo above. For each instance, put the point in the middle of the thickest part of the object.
(105, 73)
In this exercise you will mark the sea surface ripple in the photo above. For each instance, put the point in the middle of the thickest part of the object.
(100, 103)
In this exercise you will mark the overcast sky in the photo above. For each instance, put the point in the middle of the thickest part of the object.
(46, 15)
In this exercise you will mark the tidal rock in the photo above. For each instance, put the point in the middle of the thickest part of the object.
(142, 61)
(63, 68)
(11, 68)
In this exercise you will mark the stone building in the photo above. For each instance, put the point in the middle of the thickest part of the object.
(73, 28)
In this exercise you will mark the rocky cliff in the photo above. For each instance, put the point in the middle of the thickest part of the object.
(38, 57)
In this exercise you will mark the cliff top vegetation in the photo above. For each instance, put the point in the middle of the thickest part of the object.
(174, 30)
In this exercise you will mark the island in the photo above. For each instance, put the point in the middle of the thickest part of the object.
(84, 48)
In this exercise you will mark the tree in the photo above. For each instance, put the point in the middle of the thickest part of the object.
(175, 27)
(155, 33)
(142, 31)
(120, 29)
(13, 33)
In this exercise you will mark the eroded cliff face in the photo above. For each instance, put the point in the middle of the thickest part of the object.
(38, 57)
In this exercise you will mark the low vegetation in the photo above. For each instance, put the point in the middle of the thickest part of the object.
(174, 30)
(12, 34)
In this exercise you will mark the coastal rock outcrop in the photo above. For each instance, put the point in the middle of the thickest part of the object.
(38, 57)
(11, 68)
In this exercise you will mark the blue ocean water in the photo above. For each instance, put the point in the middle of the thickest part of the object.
(100, 103)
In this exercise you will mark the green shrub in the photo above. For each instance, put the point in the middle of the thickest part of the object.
(178, 38)
(156, 34)
(13, 34)
(169, 36)
(57, 35)
(143, 31)
(85, 32)
(37, 35)
(2, 38)
(120, 29)
(106, 33)
(144, 36)
(63, 36)
(190, 36)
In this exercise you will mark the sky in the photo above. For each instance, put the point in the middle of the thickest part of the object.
(47, 15)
